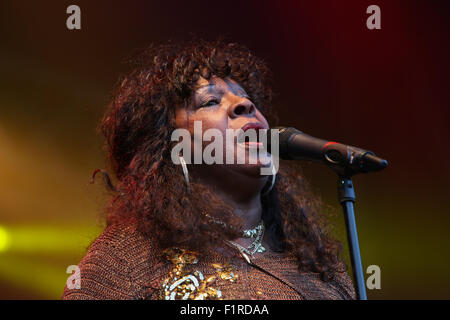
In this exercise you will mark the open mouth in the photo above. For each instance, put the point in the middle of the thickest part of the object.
(249, 142)
(250, 135)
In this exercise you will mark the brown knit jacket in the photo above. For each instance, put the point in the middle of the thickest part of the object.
(123, 264)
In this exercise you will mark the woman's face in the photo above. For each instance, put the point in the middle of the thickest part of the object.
(223, 104)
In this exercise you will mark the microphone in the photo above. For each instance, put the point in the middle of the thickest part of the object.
(296, 145)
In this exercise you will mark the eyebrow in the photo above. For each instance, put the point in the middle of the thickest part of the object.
(210, 85)
(204, 86)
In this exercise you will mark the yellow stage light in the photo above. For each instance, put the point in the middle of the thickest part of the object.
(4, 239)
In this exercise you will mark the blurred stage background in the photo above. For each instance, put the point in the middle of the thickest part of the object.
(385, 90)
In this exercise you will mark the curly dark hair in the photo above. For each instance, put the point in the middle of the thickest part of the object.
(151, 189)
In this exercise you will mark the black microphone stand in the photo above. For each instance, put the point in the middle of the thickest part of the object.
(346, 162)
(346, 195)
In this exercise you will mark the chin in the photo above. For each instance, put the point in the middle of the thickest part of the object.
(250, 170)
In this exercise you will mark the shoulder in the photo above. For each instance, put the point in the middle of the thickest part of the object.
(113, 262)
(344, 285)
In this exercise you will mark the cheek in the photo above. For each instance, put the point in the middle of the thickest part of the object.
(209, 119)
(261, 118)
(181, 119)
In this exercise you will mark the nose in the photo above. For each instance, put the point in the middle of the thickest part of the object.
(242, 107)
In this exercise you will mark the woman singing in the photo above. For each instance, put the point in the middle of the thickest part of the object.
(184, 229)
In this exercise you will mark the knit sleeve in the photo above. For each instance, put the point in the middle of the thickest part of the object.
(345, 286)
(104, 271)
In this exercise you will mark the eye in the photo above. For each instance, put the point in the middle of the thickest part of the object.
(210, 103)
